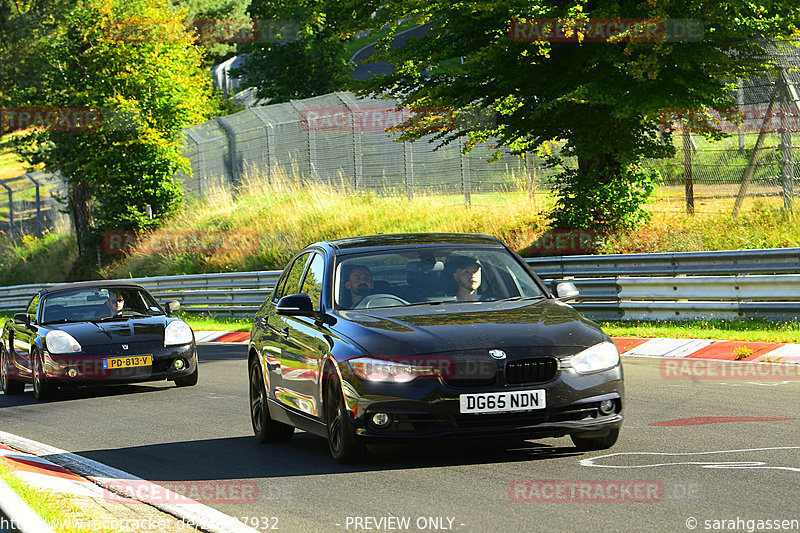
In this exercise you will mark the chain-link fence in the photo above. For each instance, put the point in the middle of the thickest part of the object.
(341, 138)
(755, 162)
(338, 138)
(32, 203)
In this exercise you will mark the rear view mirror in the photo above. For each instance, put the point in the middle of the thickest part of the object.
(172, 306)
(566, 290)
(22, 318)
(296, 305)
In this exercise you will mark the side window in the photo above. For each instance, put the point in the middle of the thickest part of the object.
(291, 281)
(31, 310)
(312, 285)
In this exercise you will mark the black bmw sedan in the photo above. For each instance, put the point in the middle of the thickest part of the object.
(394, 338)
(94, 333)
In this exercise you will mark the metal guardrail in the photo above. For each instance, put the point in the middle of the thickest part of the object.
(674, 286)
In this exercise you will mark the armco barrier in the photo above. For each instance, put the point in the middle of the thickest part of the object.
(686, 285)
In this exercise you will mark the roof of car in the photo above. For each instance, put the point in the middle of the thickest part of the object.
(406, 239)
(91, 285)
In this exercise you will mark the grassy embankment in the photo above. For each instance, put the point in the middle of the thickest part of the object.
(55, 509)
(264, 224)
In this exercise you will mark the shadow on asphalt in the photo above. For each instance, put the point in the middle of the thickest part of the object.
(305, 454)
(207, 353)
(66, 394)
(222, 352)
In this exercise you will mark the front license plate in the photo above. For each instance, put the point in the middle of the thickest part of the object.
(502, 402)
(112, 363)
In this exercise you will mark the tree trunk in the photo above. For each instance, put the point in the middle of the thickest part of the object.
(80, 204)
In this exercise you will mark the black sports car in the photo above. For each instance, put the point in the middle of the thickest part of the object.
(95, 332)
(390, 338)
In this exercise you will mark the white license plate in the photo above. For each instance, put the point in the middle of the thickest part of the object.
(502, 402)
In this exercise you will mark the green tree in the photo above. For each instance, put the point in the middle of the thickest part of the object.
(600, 101)
(302, 53)
(134, 63)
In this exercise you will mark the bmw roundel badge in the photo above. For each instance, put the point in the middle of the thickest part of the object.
(497, 354)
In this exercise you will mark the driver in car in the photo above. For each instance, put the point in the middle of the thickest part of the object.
(359, 284)
(115, 303)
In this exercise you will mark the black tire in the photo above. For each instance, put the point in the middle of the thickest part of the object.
(264, 428)
(341, 440)
(10, 386)
(187, 381)
(586, 444)
(42, 390)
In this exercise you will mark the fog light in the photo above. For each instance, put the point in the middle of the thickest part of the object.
(607, 407)
(72, 372)
(179, 364)
(381, 419)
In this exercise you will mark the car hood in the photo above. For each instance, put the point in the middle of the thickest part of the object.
(142, 329)
(554, 327)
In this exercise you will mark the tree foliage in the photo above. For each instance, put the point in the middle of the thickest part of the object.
(135, 63)
(305, 57)
(601, 100)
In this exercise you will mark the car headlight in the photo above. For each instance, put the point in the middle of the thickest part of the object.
(599, 357)
(177, 332)
(61, 342)
(388, 371)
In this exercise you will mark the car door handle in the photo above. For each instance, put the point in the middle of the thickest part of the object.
(285, 332)
(264, 321)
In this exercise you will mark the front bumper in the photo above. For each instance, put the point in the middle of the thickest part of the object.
(90, 368)
(431, 409)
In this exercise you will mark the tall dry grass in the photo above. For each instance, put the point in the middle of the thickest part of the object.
(263, 223)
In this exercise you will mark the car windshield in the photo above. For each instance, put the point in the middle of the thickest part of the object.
(98, 304)
(429, 276)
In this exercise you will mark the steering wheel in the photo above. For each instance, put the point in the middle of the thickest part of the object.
(380, 300)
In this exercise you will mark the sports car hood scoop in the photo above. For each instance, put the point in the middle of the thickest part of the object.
(140, 329)
(468, 326)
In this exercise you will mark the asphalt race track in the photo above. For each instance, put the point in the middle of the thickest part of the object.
(678, 476)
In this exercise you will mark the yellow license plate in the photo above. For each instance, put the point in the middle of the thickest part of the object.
(112, 363)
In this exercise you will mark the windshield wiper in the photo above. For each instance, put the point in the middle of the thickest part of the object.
(437, 302)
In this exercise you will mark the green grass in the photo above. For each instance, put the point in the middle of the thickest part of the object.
(215, 323)
(732, 330)
(197, 322)
(54, 508)
(49, 258)
(11, 165)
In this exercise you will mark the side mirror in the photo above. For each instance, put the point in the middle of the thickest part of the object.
(566, 290)
(22, 318)
(296, 305)
(172, 306)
